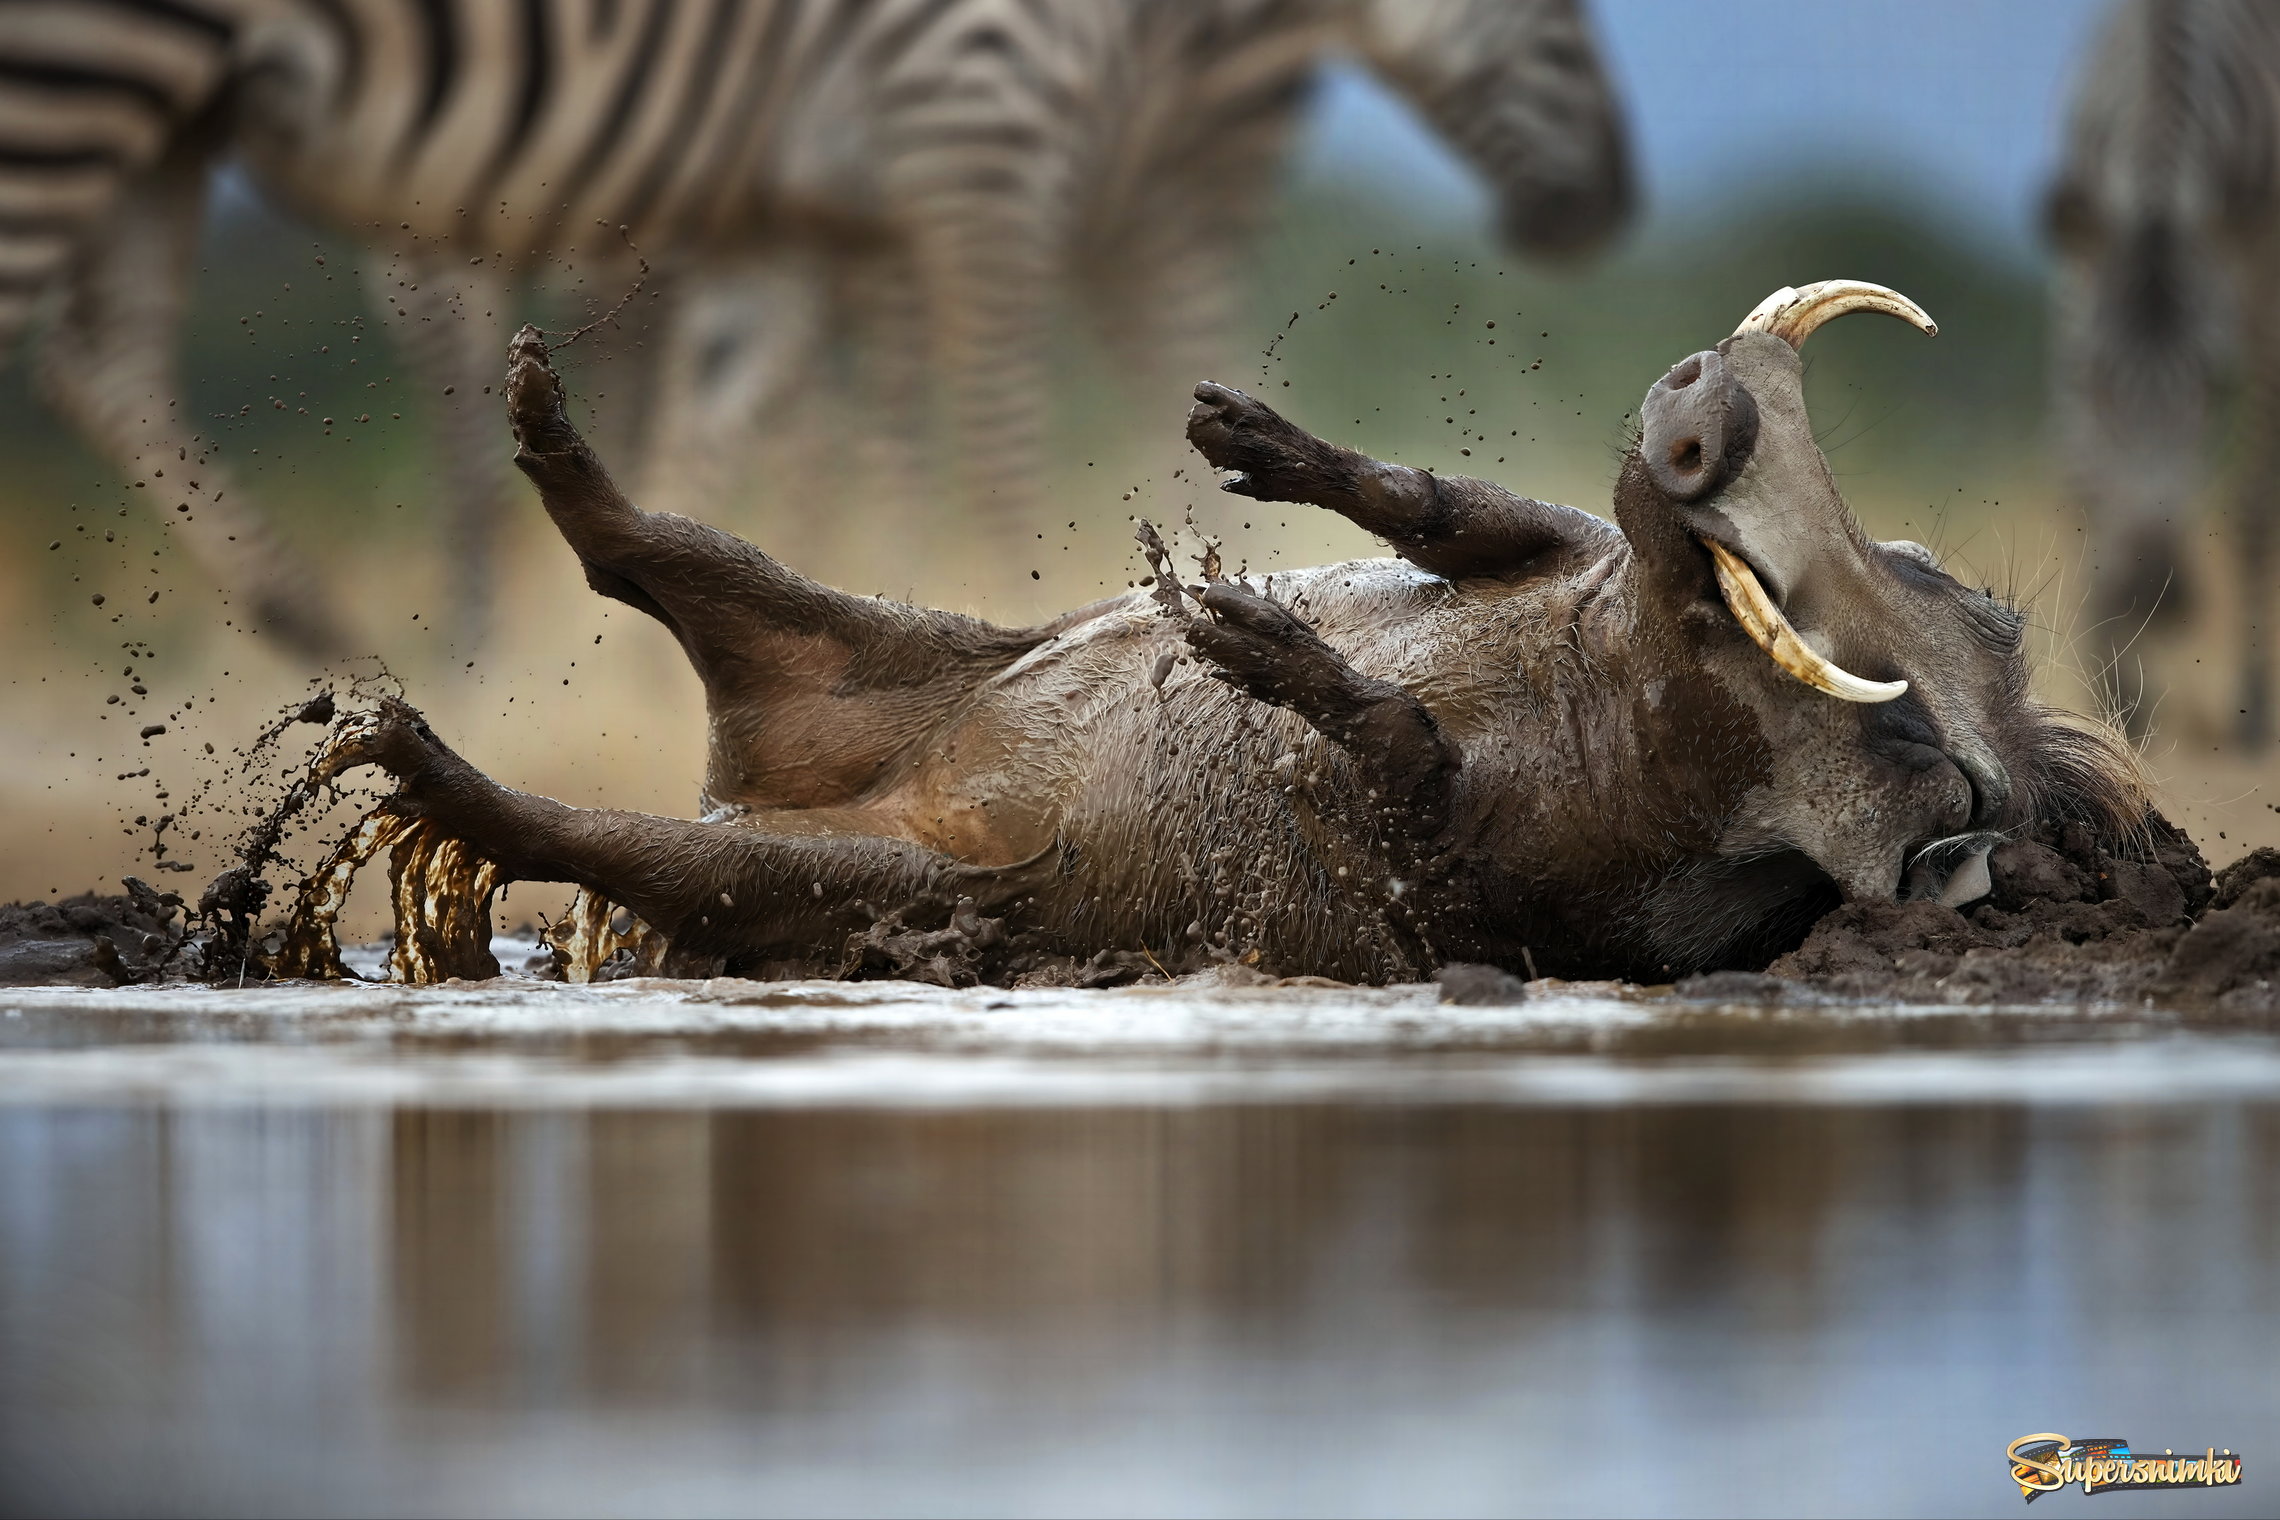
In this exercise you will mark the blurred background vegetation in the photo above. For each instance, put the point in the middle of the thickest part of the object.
(1371, 322)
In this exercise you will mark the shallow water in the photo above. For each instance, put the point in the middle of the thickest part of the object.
(727, 1247)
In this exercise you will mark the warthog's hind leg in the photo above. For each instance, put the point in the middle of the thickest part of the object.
(1452, 525)
(811, 690)
(721, 888)
(1262, 647)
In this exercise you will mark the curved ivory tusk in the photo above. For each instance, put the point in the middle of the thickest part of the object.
(1771, 632)
(1791, 314)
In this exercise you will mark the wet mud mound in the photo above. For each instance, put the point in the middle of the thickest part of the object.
(90, 940)
(2066, 921)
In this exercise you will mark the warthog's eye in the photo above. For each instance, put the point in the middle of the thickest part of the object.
(1997, 624)
(1992, 621)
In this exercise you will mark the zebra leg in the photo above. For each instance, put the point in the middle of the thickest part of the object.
(2253, 511)
(108, 367)
(2142, 591)
(2254, 724)
(798, 882)
(623, 364)
(1263, 648)
(811, 691)
(1168, 310)
(1451, 525)
(879, 302)
(739, 341)
(989, 267)
(443, 318)
(1162, 258)
(2255, 504)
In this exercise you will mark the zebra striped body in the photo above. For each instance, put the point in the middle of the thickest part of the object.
(2166, 219)
(512, 128)
(973, 149)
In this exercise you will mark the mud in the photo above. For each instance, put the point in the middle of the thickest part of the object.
(2066, 921)
(91, 940)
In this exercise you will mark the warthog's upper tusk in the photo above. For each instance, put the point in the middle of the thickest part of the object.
(1771, 632)
(1791, 314)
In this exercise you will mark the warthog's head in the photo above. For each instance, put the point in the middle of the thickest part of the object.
(1893, 700)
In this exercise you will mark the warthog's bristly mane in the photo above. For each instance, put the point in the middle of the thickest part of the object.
(2085, 771)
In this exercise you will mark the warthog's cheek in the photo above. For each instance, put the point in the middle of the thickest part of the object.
(1942, 798)
(1861, 818)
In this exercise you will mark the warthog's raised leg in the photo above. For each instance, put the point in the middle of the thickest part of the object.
(811, 691)
(793, 883)
(1452, 525)
(1263, 647)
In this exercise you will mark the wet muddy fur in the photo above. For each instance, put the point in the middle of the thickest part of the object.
(1533, 741)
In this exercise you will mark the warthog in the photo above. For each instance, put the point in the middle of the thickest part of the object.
(1534, 739)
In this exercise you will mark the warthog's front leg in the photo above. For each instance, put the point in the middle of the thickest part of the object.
(721, 888)
(1452, 525)
(1263, 647)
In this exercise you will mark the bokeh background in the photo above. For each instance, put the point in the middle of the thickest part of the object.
(1779, 142)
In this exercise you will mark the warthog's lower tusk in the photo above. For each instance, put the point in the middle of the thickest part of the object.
(1771, 632)
(1791, 314)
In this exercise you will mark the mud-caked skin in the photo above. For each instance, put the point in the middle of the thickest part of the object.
(1535, 740)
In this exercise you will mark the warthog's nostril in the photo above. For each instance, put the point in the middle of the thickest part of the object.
(1695, 427)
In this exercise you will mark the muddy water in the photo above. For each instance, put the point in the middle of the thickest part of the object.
(730, 1247)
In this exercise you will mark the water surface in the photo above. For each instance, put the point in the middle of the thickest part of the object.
(725, 1247)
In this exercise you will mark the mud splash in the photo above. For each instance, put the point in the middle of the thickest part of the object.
(146, 934)
(442, 891)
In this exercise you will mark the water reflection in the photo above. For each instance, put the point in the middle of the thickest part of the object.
(1325, 1307)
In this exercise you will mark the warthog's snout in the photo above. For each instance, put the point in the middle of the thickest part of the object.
(1698, 427)
(1725, 438)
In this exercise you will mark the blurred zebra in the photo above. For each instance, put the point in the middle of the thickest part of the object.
(1194, 110)
(965, 143)
(2165, 215)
